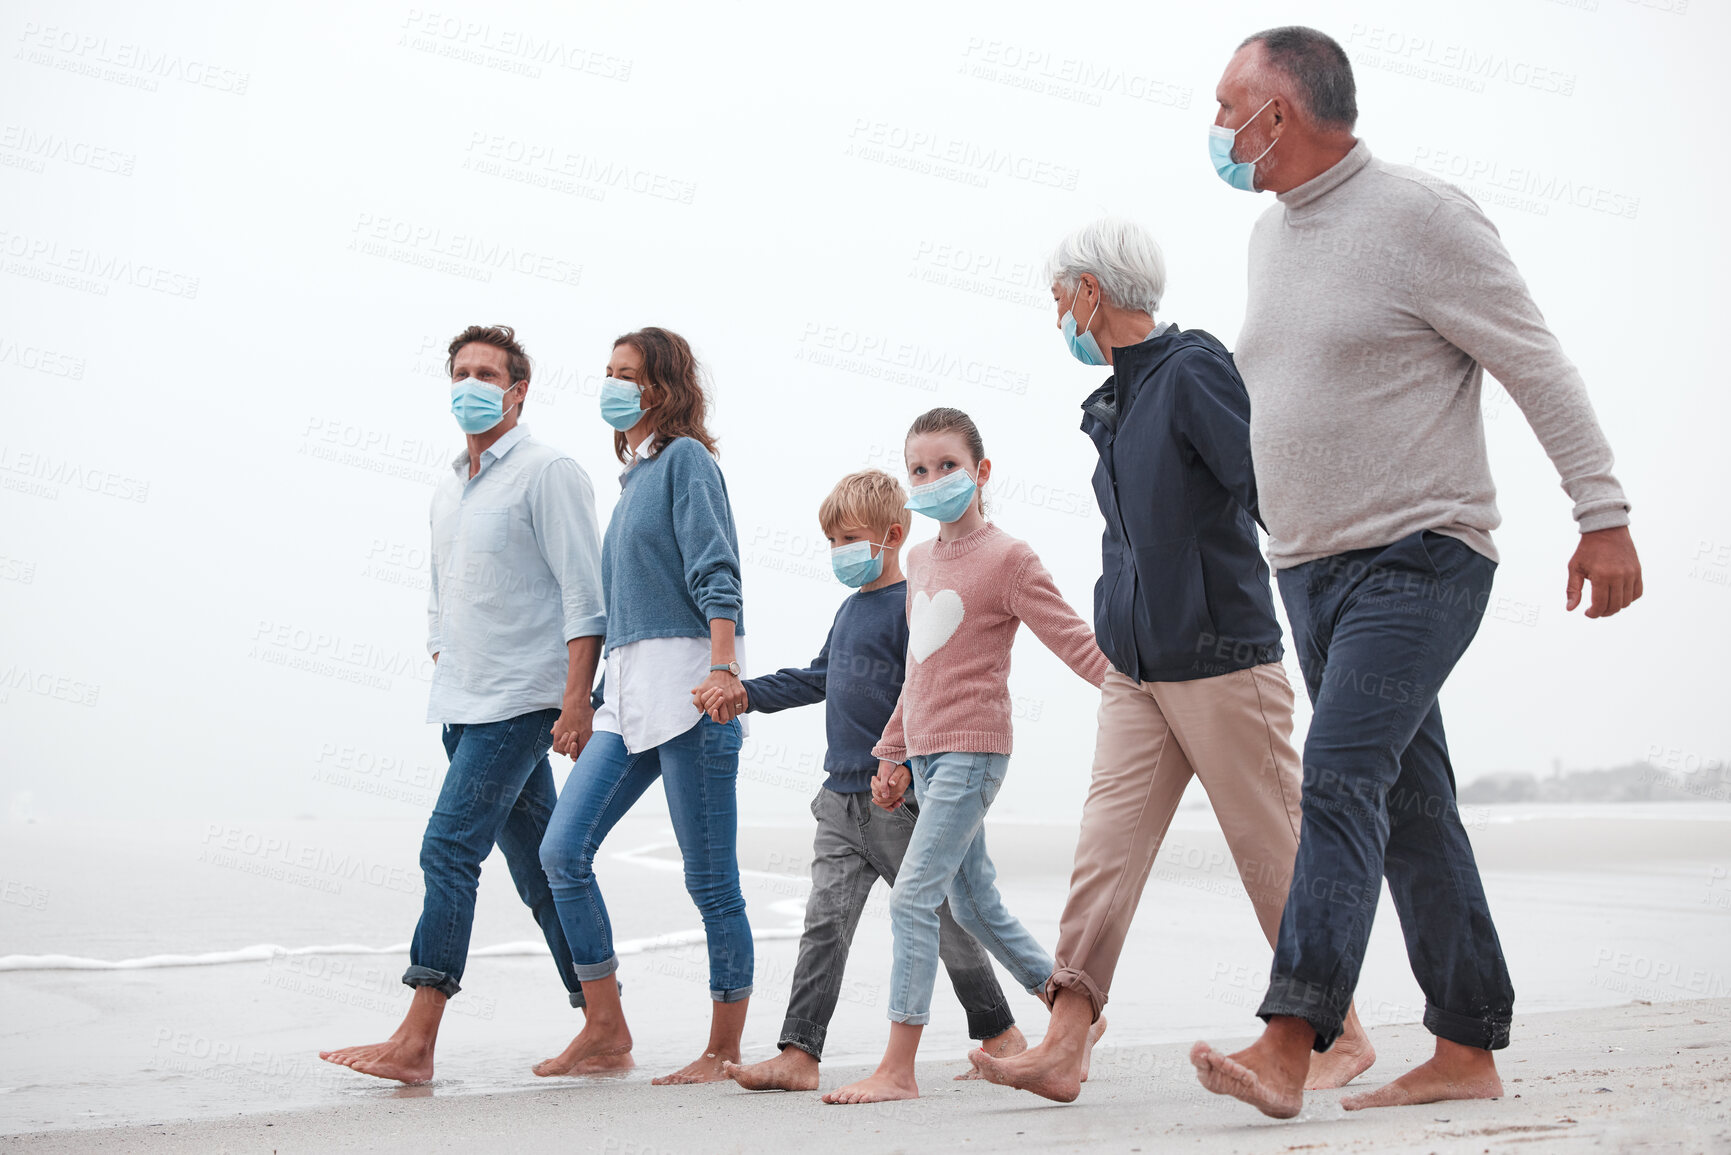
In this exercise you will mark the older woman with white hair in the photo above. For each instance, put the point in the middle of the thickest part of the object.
(1184, 612)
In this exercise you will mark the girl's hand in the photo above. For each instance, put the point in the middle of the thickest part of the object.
(890, 784)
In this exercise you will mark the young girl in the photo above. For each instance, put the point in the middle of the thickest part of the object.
(967, 593)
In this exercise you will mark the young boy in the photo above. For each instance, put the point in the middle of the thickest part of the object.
(858, 674)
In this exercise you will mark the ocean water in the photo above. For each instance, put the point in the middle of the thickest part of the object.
(159, 972)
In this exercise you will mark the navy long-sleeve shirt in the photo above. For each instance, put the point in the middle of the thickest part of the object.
(857, 674)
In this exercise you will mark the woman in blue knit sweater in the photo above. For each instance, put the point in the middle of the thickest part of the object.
(670, 568)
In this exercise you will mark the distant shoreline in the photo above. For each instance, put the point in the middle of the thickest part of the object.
(1667, 776)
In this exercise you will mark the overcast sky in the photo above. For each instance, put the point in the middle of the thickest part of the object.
(236, 239)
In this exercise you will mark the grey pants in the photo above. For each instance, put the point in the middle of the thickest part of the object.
(856, 844)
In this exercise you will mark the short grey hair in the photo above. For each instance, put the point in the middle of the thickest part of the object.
(1317, 67)
(1122, 255)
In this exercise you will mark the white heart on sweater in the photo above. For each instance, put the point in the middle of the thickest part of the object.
(932, 621)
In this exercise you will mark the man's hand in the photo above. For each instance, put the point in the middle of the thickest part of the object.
(573, 728)
(890, 784)
(1606, 558)
(721, 695)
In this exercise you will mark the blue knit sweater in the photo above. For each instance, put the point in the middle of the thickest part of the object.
(670, 558)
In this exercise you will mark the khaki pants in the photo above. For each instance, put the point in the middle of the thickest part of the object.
(1234, 732)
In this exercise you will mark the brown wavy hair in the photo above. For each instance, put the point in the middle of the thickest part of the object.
(672, 384)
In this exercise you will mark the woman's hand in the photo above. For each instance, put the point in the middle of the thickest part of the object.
(891, 784)
(721, 695)
(573, 728)
(713, 702)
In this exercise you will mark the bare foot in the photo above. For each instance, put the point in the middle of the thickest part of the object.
(1011, 1042)
(878, 1087)
(1049, 1071)
(596, 1050)
(792, 1070)
(711, 1068)
(1094, 1033)
(402, 1061)
(1257, 1077)
(1454, 1072)
(1349, 1058)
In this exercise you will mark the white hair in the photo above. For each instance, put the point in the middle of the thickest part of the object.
(1122, 255)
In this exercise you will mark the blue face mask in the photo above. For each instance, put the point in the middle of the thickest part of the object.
(854, 564)
(476, 405)
(621, 403)
(1238, 174)
(1083, 347)
(944, 500)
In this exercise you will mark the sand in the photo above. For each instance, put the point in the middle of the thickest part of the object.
(1632, 1078)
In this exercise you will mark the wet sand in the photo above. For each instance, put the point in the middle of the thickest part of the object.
(1649, 1078)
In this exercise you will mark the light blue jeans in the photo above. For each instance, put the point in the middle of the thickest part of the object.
(699, 770)
(946, 858)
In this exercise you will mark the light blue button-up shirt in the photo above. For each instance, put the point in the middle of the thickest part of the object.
(516, 563)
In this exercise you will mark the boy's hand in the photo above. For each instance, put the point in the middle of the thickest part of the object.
(713, 701)
(731, 691)
(708, 701)
(890, 784)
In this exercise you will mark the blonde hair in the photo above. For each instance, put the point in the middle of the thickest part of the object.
(870, 499)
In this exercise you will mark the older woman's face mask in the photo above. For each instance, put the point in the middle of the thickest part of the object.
(1082, 345)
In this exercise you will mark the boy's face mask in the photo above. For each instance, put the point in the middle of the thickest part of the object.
(855, 565)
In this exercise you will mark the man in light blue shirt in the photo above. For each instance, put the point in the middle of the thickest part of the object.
(514, 624)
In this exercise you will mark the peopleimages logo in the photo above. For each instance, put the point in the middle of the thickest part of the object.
(1542, 187)
(48, 473)
(46, 684)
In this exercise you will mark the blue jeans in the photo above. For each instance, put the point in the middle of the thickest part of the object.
(498, 790)
(946, 858)
(1378, 631)
(699, 770)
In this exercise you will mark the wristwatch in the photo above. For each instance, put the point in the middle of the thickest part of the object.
(730, 667)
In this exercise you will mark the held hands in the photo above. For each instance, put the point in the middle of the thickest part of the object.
(573, 728)
(721, 695)
(1606, 558)
(890, 784)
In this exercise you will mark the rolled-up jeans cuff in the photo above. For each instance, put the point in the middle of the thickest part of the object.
(1324, 1010)
(578, 1001)
(589, 972)
(1487, 1034)
(911, 1020)
(989, 1024)
(1077, 981)
(804, 1034)
(732, 995)
(419, 976)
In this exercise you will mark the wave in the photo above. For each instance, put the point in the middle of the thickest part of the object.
(647, 856)
(264, 952)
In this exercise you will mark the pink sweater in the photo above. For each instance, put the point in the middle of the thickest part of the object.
(965, 600)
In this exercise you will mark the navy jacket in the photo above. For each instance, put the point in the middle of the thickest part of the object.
(1183, 590)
